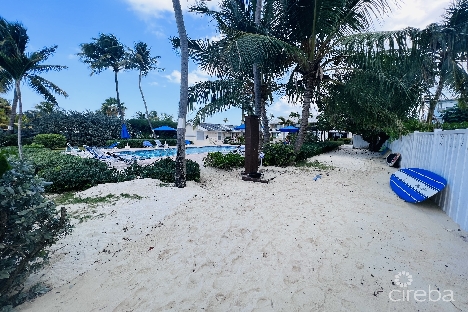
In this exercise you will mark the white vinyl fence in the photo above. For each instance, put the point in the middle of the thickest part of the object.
(444, 153)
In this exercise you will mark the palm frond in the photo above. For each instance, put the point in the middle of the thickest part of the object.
(45, 88)
(217, 96)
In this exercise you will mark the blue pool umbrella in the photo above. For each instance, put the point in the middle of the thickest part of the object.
(164, 128)
(241, 127)
(124, 132)
(289, 129)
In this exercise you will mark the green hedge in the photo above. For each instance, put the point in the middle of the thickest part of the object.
(278, 154)
(282, 155)
(50, 140)
(313, 149)
(12, 139)
(72, 173)
(223, 161)
(454, 125)
(164, 170)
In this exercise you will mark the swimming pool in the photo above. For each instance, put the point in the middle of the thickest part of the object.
(154, 153)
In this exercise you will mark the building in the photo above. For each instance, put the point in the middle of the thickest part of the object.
(207, 133)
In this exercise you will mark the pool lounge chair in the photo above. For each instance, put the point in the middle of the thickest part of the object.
(113, 145)
(96, 154)
(147, 144)
(128, 159)
(159, 144)
(72, 150)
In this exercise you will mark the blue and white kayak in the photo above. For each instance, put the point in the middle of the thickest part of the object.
(415, 185)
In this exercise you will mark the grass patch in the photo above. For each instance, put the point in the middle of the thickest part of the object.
(90, 211)
(315, 164)
(69, 198)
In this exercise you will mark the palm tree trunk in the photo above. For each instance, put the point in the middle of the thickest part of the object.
(266, 126)
(20, 116)
(433, 102)
(256, 70)
(146, 106)
(308, 92)
(11, 124)
(180, 163)
(119, 105)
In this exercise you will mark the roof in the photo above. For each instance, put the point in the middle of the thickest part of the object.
(216, 127)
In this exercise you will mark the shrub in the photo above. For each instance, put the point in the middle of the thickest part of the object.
(79, 128)
(12, 139)
(455, 114)
(455, 125)
(164, 170)
(223, 161)
(278, 154)
(29, 223)
(50, 140)
(72, 173)
(309, 150)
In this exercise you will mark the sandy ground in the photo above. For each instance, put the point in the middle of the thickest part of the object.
(294, 244)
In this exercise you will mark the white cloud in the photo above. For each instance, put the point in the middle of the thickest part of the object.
(217, 37)
(282, 108)
(414, 13)
(193, 77)
(154, 8)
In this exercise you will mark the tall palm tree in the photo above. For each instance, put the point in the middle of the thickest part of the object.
(237, 85)
(180, 165)
(105, 52)
(16, 65)
(141, 59)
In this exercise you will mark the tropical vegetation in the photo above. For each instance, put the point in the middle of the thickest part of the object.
(105, 52)
(140, 59)
(29, 224)
(17, 66)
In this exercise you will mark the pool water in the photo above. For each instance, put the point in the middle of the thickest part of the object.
(154, 153)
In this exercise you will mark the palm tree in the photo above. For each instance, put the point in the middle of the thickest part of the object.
(446, 44)
(110, 107)
(105, 52)
(180, 165)
(237, 85)
(310, 35)
(16, 66)
(141, 59)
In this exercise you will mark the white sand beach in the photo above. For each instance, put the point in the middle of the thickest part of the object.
(294, 244)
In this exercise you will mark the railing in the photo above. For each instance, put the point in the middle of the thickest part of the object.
(444, 153)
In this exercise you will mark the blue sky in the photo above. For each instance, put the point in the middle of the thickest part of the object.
(70, 23)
